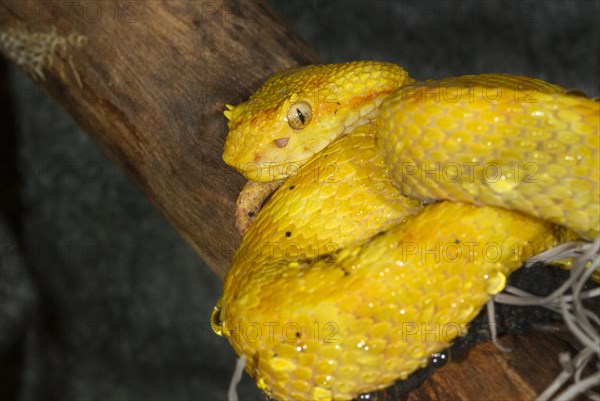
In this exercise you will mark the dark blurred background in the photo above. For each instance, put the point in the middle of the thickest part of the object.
(100, 299)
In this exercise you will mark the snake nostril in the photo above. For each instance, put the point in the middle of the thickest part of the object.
(282, 142)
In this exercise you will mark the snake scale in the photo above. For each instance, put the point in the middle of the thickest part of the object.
(406, 207)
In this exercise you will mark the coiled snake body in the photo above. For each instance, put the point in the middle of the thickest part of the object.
(406, 207)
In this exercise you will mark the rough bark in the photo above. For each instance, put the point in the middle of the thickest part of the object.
(149, 81)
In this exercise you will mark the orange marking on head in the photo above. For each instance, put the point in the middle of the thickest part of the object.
(358, 101)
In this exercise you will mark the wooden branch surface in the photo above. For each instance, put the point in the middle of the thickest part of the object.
(489, 374)
(149, 84)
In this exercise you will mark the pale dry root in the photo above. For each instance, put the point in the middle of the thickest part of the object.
(232, 394)
(583, 323)
(34, 52)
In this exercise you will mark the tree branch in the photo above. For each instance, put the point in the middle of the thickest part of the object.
(149, 81)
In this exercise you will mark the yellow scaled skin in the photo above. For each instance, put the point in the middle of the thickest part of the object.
(482, 140)
(343, 285)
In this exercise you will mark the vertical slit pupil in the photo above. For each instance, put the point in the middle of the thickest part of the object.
(300, 116)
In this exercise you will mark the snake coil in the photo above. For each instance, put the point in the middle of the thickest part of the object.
(406, 206)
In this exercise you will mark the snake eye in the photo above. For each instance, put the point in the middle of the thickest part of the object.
(299, 115)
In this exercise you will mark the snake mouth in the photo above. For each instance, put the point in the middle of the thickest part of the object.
(265, 166)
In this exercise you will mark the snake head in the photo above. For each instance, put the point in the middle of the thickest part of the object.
(298, 112)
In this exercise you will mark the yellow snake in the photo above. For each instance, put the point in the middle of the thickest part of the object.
(407, 206)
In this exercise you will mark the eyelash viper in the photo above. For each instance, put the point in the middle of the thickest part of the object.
(407, 206)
